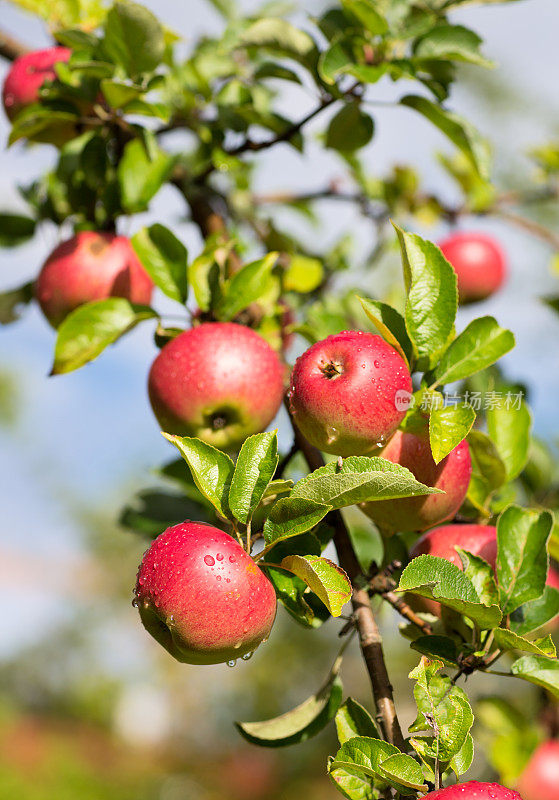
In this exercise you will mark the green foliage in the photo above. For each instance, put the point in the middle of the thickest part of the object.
(164, 258)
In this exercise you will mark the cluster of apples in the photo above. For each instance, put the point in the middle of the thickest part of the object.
(199, 593)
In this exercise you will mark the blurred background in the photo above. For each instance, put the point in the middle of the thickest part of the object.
(90, 706)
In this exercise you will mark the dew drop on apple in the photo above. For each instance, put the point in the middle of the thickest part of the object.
(232, 663)
(232, 559)
(247, 656)
(135, 602)
(219, 556)
(209, 560)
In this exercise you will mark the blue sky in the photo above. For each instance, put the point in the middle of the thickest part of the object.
(91, 431)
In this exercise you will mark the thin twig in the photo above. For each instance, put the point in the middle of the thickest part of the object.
(11, 48)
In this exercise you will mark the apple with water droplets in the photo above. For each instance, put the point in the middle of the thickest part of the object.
(90, 266)
(451, 475)
(540, 779)
(479, 263)
(202, 597)
(474, 790)
(218, 381)
(349, 393)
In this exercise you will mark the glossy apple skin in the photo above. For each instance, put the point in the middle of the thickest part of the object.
(26, 76)
(202, 597)
(479, 263)
(481, 540)
(473, 790)
(218, 381)
(451, 475)
(343, 394)
(540, 779)
(90, 266)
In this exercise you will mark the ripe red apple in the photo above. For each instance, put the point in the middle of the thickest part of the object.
(90, 266)
(540, 779)
(346, 393)
(479, 263)
(451, 475)
(219, 381)
(473, 790)
(202, 597)
(481, 540)
(26, 76)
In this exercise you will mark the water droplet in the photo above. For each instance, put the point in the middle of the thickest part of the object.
(209, 560)
(247, 656)
(218, 577)
(377, 364)
(135, 602)
(228, 580)
(232, 559)
(219, 556)
(232, 662)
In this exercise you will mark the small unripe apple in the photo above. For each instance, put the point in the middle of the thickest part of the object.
(90, 266)
(348, 393)
(473, 790)
(451, 475)
(479, 263)
(26, 76)
(540, 779)
(481, 540)
(202, 597)
(218, 381)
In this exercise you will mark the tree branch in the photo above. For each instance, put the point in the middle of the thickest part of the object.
(370, 639)
(10, 48)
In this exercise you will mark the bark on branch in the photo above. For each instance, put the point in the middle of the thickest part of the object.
(10, 48)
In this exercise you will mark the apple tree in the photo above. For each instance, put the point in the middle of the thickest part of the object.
(460, 494)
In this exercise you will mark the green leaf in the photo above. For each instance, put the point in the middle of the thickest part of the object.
(461, 132)
(140, 175)
(365, 756)
(118, 94)
(164, 258)
(328, 581)
(509, 427)
(448, 426)
(303, 274)
(391, 325)
(522, 558)
(15, 229)
(535, 614)
(403, 770)
(441, 648)
(291, 516)
(255, 467)
(452, 42)
(359, 479)
(352, 784)
(87, 330)
(334, 61)
(12, 300)
(508, 640)
(367, 13)
(281, 37)
(481, 344)
(302, 722)
(211, 469)
(486, 460)
(432, 299)
(539, 670)
(438, 579)
(463, 759)
(350, 129)
(134, 38)
(443, 710)
(245, 287)
(354, 720)
(154, 510)
(481, 575)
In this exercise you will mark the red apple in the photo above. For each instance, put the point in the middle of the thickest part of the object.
(90, 266)
(202, 597)
(473, 790)
(540, 779)
(346, 393)
(451, 475)
(26, 76)
(219, 381)
(479, 263)
(481, 540)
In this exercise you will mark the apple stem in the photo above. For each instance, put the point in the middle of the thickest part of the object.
(370, 638)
